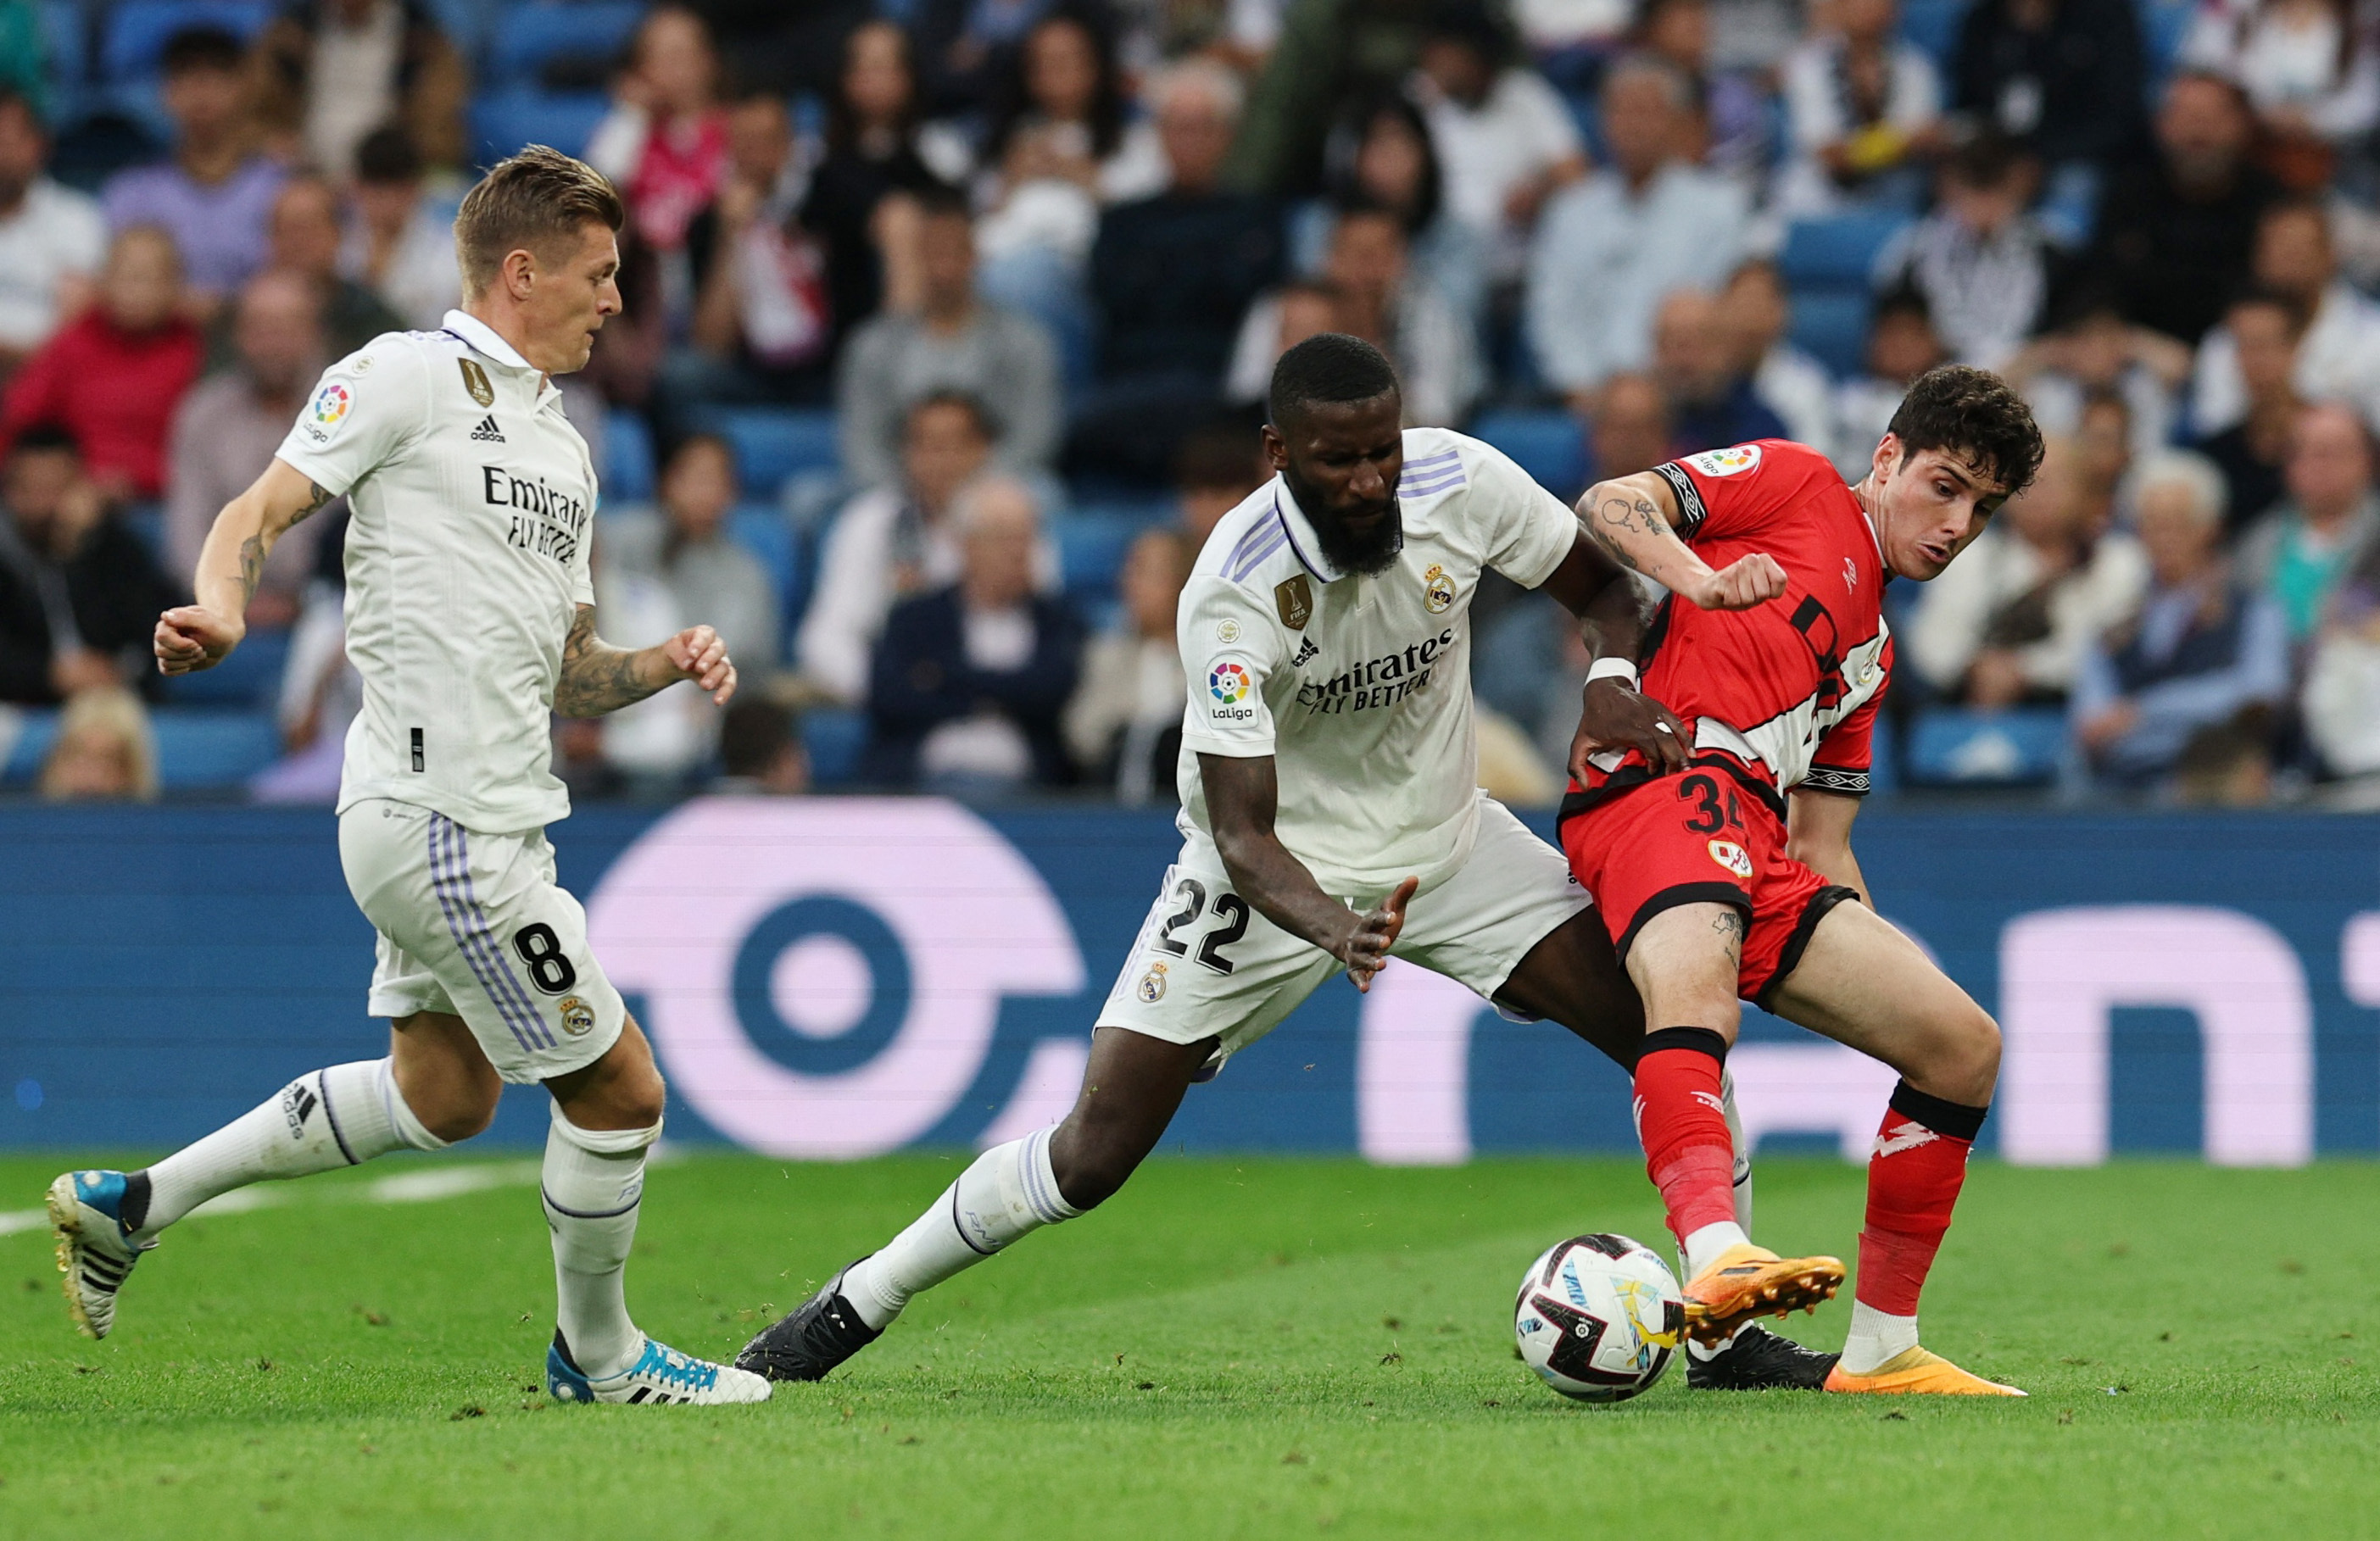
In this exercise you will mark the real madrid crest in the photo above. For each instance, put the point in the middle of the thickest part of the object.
(475, 379)
(1152, 985)
(577, 1016)
(1437, 590)
(1294, 598)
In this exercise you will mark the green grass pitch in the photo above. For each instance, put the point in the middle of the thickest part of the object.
(1232, 1348)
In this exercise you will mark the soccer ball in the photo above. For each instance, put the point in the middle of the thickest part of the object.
(1598, 1317)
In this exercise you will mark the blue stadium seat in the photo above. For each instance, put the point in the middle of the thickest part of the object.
(66, 41)
(137, 30)
(1830, 324)
(1090, 550)
(628, 458)
(1960, 746)
(525, 37)
(501, 124)
(834, 737)
(1840, 249)
(251, 677)
(37, 729)
(774, 444)
(1549, 445)
(762, 529)
(203, 750)
(1933, 25)
(2164, 23)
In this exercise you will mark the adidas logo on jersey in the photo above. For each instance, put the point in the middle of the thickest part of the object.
(488, 432)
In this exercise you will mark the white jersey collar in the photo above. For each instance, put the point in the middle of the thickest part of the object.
(485, 339)
(1302, 539)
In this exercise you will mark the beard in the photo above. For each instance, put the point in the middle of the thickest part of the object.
(1369, 552)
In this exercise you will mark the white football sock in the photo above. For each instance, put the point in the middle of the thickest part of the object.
(337, 1117)
(592, 1183)
(1010, 1190)
(1743, 1150)
(1875, 1337)
(1703, 1248)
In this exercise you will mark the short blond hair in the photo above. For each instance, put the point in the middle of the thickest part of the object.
(537, 199)
(117, 715)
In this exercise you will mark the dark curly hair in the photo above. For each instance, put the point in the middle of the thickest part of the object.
(1974, 414)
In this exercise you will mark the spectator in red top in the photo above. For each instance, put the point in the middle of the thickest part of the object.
(113, 377)
(665, 141)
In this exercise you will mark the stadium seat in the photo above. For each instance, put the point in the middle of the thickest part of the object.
(1960, 746)
(835, 738)
(66, 42)
(137, 30)
(523, 38)
(762, 529)
(1830, 325)
(1547, 445)
(627, 457)
(2164, 23)
(1840, 249)
(1091, 544)
(202, 750)
(501, 124)
(1933, 25)
(774, 444)
(26, 734)
(251, 677)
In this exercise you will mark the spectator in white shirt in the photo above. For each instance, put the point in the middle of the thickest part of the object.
(2309, 67)
(1505, 142)
(52, 239)
(1611, 245)
(401, 243)
(1124, 725)
(892, 543)
(1862, 108)
(1790, 383)
(2338, 357)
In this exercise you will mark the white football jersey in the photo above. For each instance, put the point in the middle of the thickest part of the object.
(473, 501)
(1359, 687)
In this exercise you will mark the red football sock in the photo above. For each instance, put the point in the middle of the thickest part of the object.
(1679, 1121)
(1913, 1184)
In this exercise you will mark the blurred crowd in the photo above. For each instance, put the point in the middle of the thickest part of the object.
(1027, 263)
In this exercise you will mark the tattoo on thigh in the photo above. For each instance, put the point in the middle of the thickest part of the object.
(1729, 923)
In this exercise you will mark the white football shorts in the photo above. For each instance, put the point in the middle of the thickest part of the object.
(1207, 965)
(473, 925)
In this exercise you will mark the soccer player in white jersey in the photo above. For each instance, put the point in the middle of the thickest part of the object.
(470, 620)
(1331, 817)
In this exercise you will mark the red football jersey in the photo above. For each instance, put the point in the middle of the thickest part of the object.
(1784, 694)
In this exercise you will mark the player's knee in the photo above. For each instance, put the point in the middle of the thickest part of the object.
(1089, 1172)
(1963, 1058)
(461, 1114)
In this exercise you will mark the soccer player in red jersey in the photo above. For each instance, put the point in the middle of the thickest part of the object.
(1724, 868)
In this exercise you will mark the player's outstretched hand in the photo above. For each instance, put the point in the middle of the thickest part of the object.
(1617, 716)
(699, 654)
(1367, 952)
(191, 638)
(1743, 583)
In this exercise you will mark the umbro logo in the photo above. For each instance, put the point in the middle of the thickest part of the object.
(488, 432)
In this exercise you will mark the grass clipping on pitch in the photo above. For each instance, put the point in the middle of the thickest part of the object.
(1231, 1348)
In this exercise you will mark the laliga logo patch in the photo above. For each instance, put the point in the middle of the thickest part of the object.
(1734, 857)
(577, 1016)
(1152, 985)
(1437, 590)
(328, 411)
(1726, 461)
(1228, 683)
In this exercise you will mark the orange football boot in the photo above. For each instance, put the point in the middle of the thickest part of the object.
(1747, 1282)
(1916, 1372)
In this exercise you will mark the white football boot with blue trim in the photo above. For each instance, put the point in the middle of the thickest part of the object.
(95, 1251)
(661, 1376)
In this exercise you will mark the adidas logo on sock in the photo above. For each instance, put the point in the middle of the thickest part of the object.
(488, 432)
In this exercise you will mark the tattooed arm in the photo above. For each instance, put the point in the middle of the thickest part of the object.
(599, 678)
(195, 637)
(1634, 519)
